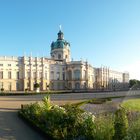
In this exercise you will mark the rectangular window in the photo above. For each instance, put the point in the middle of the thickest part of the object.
(45, 75)
(40, 74)
(28, 74)
(9, 86)
(9, 75)
(9, 65)
(1, 64)
(63, 75)
(1, 85)
(1, 74)
(58, 75)
(18, 75)
(28, 85)
(52, 75)
(34, 74)
(17, 86)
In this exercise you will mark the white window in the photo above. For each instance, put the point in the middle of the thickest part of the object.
(28, 74)
(18, 75)
(9, 86)
(1, 85)
(34, 74)
(58, 75)
(77, 74)
(45, 75)
(69, 75)
(28, 84)
(52, 75)
(59, 56)
(17, 86)
(1, 74)
(9, 75)
(40, 74)
(63, 75)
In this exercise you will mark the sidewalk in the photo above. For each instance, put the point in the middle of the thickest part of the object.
(13, 128)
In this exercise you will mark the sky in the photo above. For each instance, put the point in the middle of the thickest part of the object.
(103, 32)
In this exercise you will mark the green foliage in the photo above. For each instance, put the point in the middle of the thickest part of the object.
(133, 131)
(46, 103)
(36, 85)
(103, 128)
(26, 90)
(92, 101)
(99, 101)
(2, 89)
(69, 122)
(132, 104)
(120, 124)
(134, 82)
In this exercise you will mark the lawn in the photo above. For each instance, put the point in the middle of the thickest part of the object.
(132, 104)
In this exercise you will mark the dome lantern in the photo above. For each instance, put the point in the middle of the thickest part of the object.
(60, 35)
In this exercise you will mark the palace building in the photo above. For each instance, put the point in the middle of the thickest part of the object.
(58, 72)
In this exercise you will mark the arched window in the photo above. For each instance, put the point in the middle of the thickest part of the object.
(69, 75)
(59, 56)
(85, 85)
(77, 74)
(69, 86)
(77, 85)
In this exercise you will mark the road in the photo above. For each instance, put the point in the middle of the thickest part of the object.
(13, 128)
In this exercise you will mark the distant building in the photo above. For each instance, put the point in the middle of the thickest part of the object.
(107, 79)
(57, 72)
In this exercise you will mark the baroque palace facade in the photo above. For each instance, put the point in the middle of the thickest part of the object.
(57, 72)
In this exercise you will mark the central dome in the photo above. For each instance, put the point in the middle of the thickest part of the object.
(60, 43)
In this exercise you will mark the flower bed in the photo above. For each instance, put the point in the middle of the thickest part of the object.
(69, 122)
(57, 122)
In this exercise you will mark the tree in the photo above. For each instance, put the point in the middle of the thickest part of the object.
(132, 82)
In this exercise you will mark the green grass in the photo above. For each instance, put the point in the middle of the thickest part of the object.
(132, 104)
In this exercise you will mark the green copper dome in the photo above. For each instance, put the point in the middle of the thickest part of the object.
(60, 43)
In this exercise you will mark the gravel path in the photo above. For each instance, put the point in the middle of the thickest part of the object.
(101, 108)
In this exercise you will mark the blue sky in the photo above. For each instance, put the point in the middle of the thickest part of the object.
(104, 32)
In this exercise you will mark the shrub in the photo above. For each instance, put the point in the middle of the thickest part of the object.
(2, 89)
(64, 123)
(36, 85)
(102, 129)
(133, 130)
(26, 89)
(120, 124)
